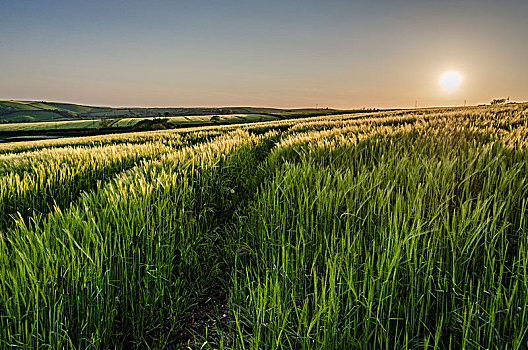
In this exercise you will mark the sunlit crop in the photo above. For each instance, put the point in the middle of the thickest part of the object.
(389, 230)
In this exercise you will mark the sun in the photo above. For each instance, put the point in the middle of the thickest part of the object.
(451, 80)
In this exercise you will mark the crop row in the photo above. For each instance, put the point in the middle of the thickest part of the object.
(387, 230)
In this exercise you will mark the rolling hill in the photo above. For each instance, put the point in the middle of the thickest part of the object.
(12, 111)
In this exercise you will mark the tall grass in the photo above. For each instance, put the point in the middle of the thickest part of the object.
(35, 182)
(393, 230)
(166, 136)
(118, 268)
(402, 239)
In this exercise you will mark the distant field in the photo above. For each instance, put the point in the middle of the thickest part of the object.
(75, 124)
(130, 122)
(34, 115)
(35, 111)
(76, 108)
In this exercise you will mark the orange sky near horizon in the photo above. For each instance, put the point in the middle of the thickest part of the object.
(286, 54)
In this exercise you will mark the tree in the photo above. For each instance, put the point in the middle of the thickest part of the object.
(498, 101)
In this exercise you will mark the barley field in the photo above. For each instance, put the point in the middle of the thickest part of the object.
(381, 230)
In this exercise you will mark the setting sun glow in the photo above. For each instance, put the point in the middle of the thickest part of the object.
(451, 80)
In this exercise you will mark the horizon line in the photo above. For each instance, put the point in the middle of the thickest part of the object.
(254, 106)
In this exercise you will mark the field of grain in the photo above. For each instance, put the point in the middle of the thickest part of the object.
(388, 230)
(131, 122)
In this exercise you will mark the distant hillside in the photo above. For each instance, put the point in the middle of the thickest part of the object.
(41, 111)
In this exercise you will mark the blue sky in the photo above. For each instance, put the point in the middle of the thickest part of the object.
(340, 54)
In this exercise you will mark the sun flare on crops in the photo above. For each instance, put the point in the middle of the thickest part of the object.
(451, 80)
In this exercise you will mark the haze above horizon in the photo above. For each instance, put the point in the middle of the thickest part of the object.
(285, 54)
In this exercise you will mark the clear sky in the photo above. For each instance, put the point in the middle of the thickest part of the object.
(284, 53)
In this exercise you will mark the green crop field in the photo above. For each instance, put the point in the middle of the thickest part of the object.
(381, 230)
(91, 124)
(59, 125)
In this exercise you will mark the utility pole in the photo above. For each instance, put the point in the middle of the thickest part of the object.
(415, 104)
(464, 103)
